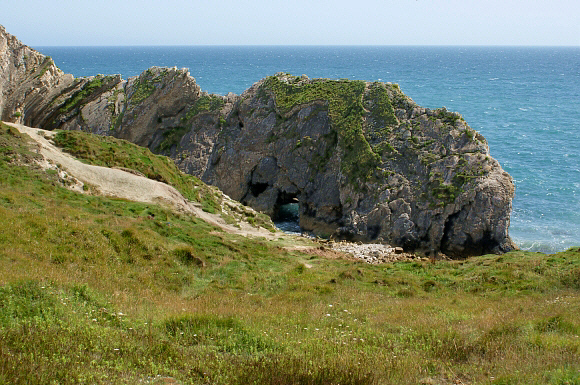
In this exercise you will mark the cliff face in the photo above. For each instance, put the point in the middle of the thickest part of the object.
(29, 81)
(365, 163)
(362, 159)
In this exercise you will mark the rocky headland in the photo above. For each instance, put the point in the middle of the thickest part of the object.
(364, 161)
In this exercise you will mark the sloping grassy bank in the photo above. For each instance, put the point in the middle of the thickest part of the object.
(112, 152)
(97, 290)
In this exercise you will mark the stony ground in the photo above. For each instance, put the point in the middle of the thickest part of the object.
(372, 253)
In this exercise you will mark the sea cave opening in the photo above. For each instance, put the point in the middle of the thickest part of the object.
(287, 213)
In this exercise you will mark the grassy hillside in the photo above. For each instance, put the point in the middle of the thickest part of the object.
(105, 291)
(112, 152)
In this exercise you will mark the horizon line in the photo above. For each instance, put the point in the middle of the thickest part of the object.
(315, 45)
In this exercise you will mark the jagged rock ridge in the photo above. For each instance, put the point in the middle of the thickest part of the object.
(362, 159)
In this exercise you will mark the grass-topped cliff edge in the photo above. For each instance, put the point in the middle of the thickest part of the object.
(100, 290)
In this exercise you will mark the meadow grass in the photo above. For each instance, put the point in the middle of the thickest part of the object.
(103, 291)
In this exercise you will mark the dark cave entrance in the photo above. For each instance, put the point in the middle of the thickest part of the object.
(287, 213)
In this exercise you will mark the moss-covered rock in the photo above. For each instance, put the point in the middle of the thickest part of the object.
(365, 163)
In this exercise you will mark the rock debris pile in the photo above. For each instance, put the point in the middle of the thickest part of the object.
(373, 253)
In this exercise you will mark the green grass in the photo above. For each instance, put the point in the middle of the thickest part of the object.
(98, 291)
(112, 152)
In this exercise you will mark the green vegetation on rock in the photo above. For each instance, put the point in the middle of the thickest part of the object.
(45, 66)
(448, 116)
(346, 111)
(379, 104)
(443, 193)
(171, 137)
(146, 85)
(116, 116)
(91, 86)
(206, 103)
(145, 88)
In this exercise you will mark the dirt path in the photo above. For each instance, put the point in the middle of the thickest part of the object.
(121, 184)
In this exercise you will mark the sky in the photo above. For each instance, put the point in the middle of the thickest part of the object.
(299, 22)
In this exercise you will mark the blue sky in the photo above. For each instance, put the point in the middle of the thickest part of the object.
(300, 22)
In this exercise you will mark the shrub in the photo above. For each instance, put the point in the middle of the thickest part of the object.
(185, 256)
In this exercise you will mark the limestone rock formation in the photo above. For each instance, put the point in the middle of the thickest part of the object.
(29, 81)
(366, 163)
(362, 159)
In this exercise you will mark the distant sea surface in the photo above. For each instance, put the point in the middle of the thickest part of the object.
(524, 100)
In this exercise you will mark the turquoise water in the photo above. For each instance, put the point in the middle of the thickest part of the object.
(288, 217)
(524, 100)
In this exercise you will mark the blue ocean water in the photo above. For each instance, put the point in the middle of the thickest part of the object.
(524, 100)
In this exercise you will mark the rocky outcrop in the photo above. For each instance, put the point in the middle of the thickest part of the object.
(29, 81)
(362, 159)
(366, 163)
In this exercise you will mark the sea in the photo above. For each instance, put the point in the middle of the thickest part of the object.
(524, 100)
